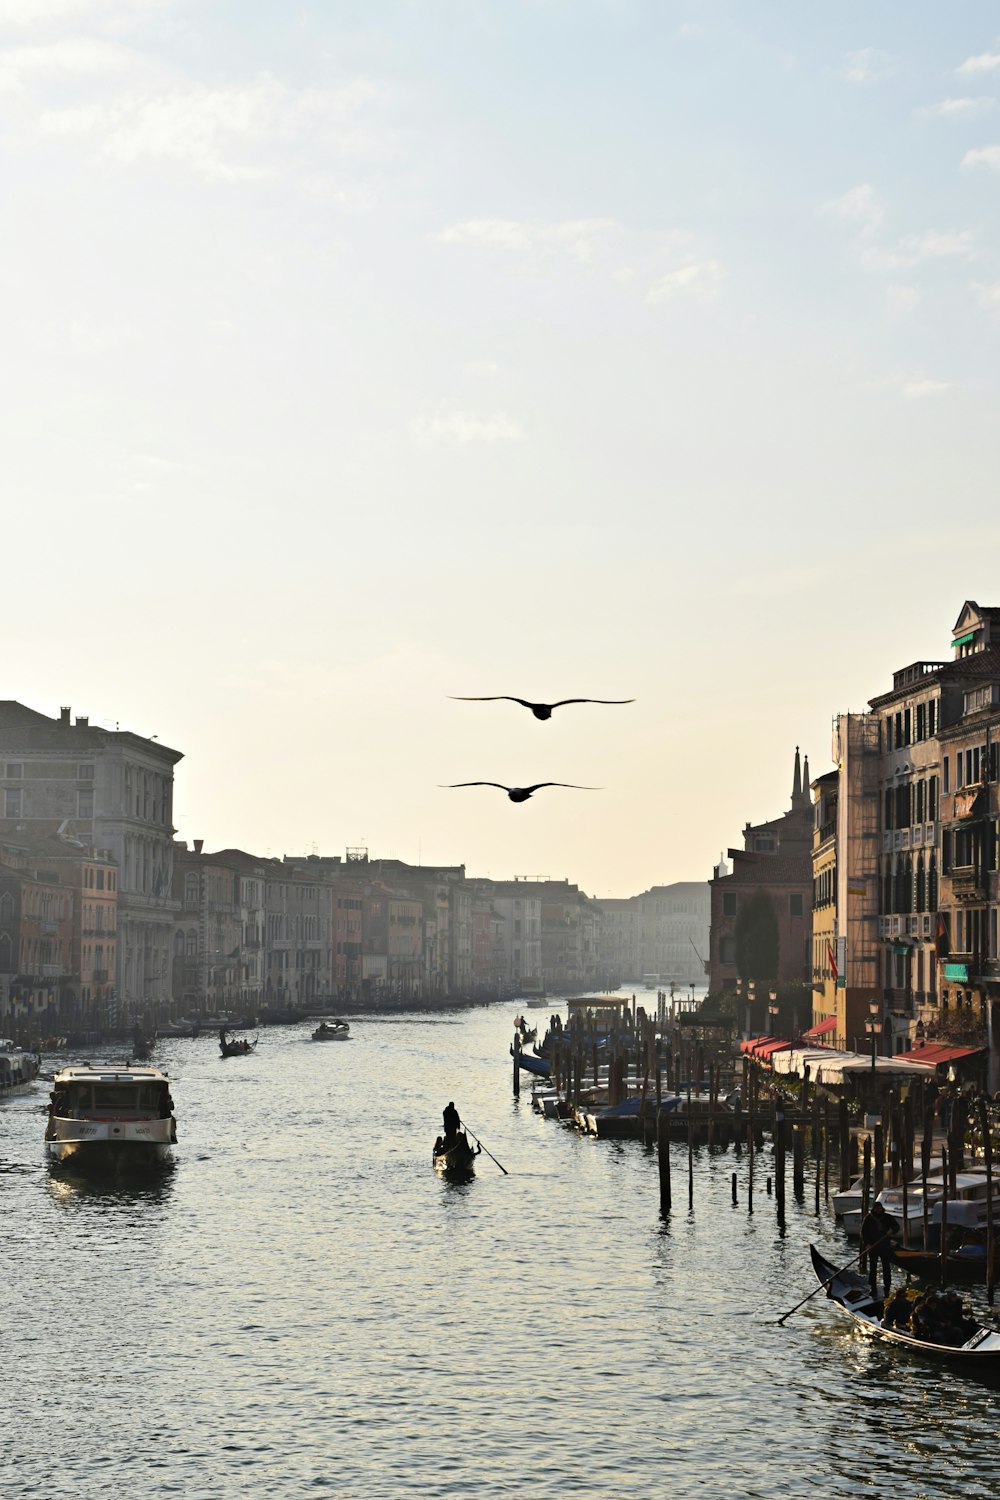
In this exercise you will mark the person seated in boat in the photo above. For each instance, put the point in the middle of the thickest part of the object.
(897, 1310)
(438, 1146)
(877, 1234)
(451, 1123)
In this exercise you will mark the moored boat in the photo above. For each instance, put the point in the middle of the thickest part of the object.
(852, 1293)
(966, 1206)
(110, 1120)
(18, 1069)
(532, 1064)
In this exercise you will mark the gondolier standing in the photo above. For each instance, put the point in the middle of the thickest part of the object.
(877, 1234)
(452, 1122)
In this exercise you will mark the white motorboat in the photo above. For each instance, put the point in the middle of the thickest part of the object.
(335, 1030)
(18, 1069)
(966, 1207)
(110, 1120)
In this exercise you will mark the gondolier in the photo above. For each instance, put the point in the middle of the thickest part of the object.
(877, 1234)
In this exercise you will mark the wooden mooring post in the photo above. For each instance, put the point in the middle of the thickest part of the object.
(663, 1158)
(991, 1230)
(517, 1065)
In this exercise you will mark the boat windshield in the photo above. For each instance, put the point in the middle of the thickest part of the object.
(117, 1096)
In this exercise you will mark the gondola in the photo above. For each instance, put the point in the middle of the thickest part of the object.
(962, 1262)
(457, 1159)
(851, 1292)
(532, 1064)
(235, 1047)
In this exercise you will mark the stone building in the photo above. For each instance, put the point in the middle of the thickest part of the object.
(776, 858)
(111, 790)
(219, 933)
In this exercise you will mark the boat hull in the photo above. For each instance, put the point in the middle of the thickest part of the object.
(459, 1161)
(531, 1064)
(852, 1294)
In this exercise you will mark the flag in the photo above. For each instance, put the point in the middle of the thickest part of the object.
(942, 942)
(833, 961)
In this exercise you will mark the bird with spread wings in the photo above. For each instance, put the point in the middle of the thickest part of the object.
(540, 710)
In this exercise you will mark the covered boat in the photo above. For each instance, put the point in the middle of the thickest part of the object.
(110, 1120)
(18, 1068)
(532, 1064)
(851, 1292)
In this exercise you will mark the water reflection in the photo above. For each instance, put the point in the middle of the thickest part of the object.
(66, 1188)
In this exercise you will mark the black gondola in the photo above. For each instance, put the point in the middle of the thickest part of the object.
(231, 1046)
(851, 1292)
(455, 1158)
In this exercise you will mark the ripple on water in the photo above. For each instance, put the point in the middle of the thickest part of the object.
(303, 1306)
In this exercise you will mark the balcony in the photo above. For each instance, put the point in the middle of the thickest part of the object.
(967, 884)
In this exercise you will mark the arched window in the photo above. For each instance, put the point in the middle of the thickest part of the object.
(921, 885)
(191, 889)
(932, 884)
(178, 945)
(191, 945)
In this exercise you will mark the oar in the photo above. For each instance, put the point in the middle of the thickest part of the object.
(868, 1250)
(479, 1143)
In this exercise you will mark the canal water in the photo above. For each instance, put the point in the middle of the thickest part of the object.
(302, 1307)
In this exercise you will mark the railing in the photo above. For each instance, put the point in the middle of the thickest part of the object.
(966, 881)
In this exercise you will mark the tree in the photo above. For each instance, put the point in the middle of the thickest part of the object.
(756, 936)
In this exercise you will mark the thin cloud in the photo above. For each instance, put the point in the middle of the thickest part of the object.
(901, 300)
(917, 249)
(698, 279)
(859, 206)
(462, 427)
(213, 131)
(576, 237)
(957, 109)
(867, 65)
(985, 62)
(988, 295)
(983, 156)
(37, 12)
(82, 56)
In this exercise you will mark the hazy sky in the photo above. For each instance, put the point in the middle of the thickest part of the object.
(356, 354)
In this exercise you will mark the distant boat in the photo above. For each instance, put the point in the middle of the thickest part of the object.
(232, 1046)
(332, 1031)
(111, 1120)
(18, 1069)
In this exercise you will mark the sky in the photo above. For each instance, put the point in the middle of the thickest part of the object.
(357, 355)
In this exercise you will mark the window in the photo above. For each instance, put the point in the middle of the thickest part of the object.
(945, 769)
(84, 773)
(12, 804)
(729, 904)
(932, 718)
(795, 906)
(727, 950)
(100, 880)
(15, 770)
(85, 804)
(921, 721)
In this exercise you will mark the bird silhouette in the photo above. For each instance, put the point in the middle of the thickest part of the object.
(522, 793)
(540, 710)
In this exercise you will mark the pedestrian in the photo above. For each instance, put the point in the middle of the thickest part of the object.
(877, 1234)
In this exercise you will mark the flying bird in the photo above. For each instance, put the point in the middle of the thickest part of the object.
(522, 793)
(540, 710)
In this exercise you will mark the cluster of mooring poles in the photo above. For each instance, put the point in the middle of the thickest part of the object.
(679, 1099)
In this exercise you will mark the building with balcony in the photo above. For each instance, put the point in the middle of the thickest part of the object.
(111, 790)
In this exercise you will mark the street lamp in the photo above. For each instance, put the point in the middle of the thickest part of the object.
(873, 1026)
(772, 1008)
(751, 997)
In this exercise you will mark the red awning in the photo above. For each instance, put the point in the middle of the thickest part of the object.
(761, 1047)
(822, 1028)
(933, 1053)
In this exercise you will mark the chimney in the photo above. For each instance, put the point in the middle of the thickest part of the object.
(198, 845)
(64, 716)
(81, 722)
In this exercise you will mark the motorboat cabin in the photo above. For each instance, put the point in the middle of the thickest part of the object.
(110, 1119)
